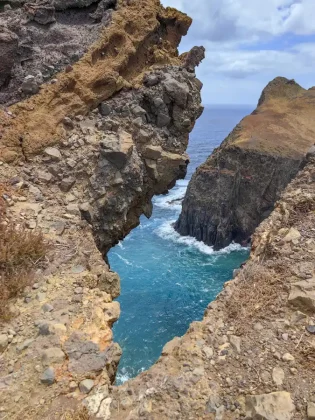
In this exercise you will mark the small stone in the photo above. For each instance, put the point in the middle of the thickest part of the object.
(44, 176)
(30, 85)
(287, 357)
(73, 386)
(68, 121)
(278, 376)
(3, 342)
(66, 184)
(47, 307)
(48, 376)
(53, 153)
(235, 343)
(52, 355)
(105, 109)
(86, 386)
(78, 269)
(258, 326)
(43, 328)
(41, 296)
(311, 411)
(292, 235)
(310, 329)
(273, 406)
(24, 345)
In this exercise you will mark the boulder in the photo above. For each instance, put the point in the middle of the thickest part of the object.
(302, 294)
(117, 149)
(274, 406)
(8, 53)
(177, 91)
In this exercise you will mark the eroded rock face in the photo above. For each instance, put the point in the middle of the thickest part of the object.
(43, 37)
(236, 188)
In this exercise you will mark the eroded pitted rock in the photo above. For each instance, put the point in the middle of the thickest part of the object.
(46, 36)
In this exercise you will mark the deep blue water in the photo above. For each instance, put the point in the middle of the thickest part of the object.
(167, 281)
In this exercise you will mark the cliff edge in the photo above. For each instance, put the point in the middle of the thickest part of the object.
(85, 144)
(236, 188)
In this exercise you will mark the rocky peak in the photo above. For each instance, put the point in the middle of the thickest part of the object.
(278, 88)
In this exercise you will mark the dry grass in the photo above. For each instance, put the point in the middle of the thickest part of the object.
(258, 287)
(300, 209)
(80, 414)
(21, 251)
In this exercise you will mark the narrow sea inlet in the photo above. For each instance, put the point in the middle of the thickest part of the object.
(167, 280)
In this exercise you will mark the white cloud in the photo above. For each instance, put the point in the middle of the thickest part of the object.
(235, 33)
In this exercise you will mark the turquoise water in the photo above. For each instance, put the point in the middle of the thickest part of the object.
(168, 280)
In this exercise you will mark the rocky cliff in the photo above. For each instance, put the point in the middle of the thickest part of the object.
(236, 188)
(252, 355)
(96, 134)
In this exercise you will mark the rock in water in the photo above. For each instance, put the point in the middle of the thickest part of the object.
(236, 188)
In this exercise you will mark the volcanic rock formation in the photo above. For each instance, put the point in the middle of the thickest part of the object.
(80, 160)
(236, 188)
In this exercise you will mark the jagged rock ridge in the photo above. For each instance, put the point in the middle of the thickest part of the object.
(236, 188)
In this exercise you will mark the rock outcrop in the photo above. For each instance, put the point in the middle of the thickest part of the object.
(236, 188)
(252, 355)
(81, 158)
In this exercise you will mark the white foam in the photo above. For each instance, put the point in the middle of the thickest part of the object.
(166, 231)
(122, 378)
(173, 199)
(123, 259)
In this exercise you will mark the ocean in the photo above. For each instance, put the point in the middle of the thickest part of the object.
(167, 280)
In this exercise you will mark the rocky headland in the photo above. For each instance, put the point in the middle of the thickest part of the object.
(236, 188)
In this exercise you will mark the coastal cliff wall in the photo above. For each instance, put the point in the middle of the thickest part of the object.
(80, 160)
(236, 188)
(252, 355)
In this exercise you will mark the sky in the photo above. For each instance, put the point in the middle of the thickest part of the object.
(248, 43)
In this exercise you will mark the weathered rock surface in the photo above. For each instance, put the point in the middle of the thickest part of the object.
(274, 406)
(236, 188)
(84, 157)
(251, 355)
(41, 38)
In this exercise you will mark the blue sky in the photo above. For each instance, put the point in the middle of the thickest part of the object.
(248, 43)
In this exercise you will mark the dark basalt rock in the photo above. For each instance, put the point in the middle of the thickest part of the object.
(237, 187)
